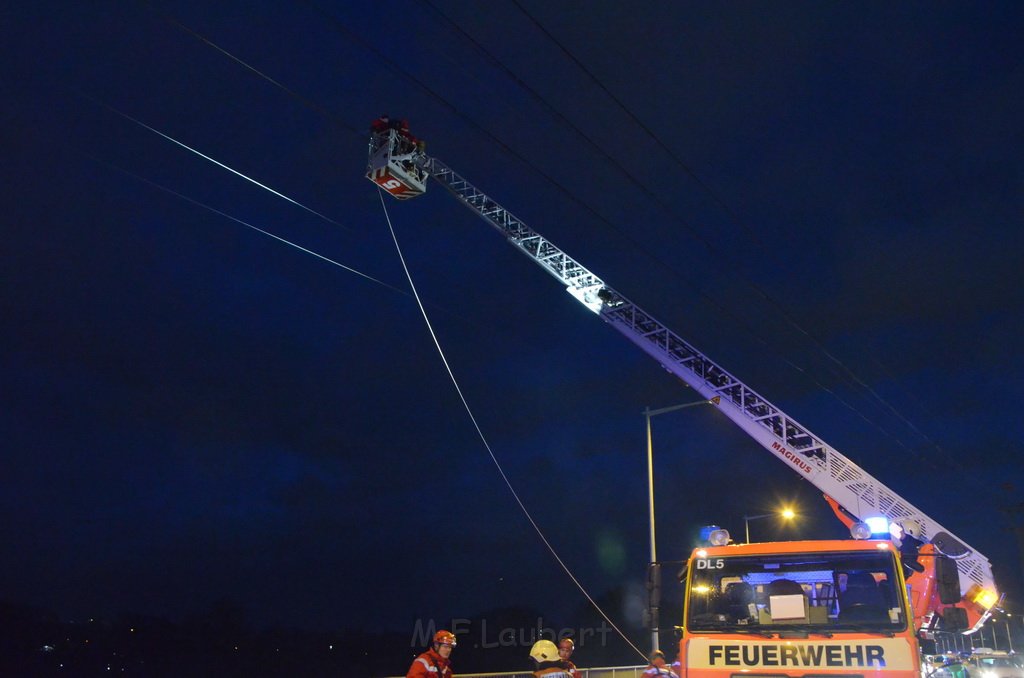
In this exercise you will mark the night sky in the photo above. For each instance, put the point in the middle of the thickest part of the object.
(826, 198)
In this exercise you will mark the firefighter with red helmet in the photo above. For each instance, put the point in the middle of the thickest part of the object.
(435, 662)
(565, 649)
(381, 125)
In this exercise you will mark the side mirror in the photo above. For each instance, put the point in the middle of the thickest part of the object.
(947, 580)
(954, 619)
(683, 572)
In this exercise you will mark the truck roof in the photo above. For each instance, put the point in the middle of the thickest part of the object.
(768, 548)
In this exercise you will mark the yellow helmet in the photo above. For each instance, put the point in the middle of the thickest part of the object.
(912, 528)
(544, 651)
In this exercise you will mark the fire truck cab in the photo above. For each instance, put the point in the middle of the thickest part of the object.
(805, 608)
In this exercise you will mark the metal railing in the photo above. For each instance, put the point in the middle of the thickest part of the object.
(601, 672)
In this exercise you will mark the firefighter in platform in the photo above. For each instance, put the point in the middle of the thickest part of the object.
(381, 124)
(565, 648)
(435, 662)
(379, 132)
(407, 143)
(546, 662)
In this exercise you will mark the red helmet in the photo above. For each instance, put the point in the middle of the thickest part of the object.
(443, 637)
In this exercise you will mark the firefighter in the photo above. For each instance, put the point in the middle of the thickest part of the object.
(379, 132)
(435, 662)
(547, 663)
(565, 648)
(657, 668)
(407, 143)
(381, 124)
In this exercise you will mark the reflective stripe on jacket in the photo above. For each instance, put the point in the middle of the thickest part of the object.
(430, 665)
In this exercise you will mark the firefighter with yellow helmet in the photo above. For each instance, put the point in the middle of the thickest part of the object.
(435, 662)
(547, 663)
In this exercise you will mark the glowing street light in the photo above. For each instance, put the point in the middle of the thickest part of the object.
(786, 514)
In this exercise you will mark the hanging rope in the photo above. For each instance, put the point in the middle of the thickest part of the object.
(483, 438)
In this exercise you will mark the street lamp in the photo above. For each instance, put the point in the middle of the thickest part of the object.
(785, 514)
(648, 413)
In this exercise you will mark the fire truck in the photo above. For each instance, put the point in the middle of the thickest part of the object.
(801, 608)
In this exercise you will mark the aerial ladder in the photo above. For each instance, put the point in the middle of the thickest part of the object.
(854, 495)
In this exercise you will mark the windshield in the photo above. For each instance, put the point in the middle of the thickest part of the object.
(1001, 662)
(811, 592)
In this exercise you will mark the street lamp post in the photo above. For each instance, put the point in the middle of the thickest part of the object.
(1009, 640)
(648, 413)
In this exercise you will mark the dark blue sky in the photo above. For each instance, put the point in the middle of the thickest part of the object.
(193, 411)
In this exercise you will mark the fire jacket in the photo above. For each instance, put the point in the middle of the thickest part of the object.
(556, 669)
(655, 671)
(430, 665)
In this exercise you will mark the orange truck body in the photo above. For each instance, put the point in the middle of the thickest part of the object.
(803, 608)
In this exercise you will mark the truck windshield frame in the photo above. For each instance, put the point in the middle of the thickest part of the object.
(811, 592)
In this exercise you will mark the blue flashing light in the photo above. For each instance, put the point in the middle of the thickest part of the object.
(878, 524)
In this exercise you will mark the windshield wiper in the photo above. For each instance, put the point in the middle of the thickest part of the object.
(735, 628)
(807, 629)
(861, 629)
(746, 630)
